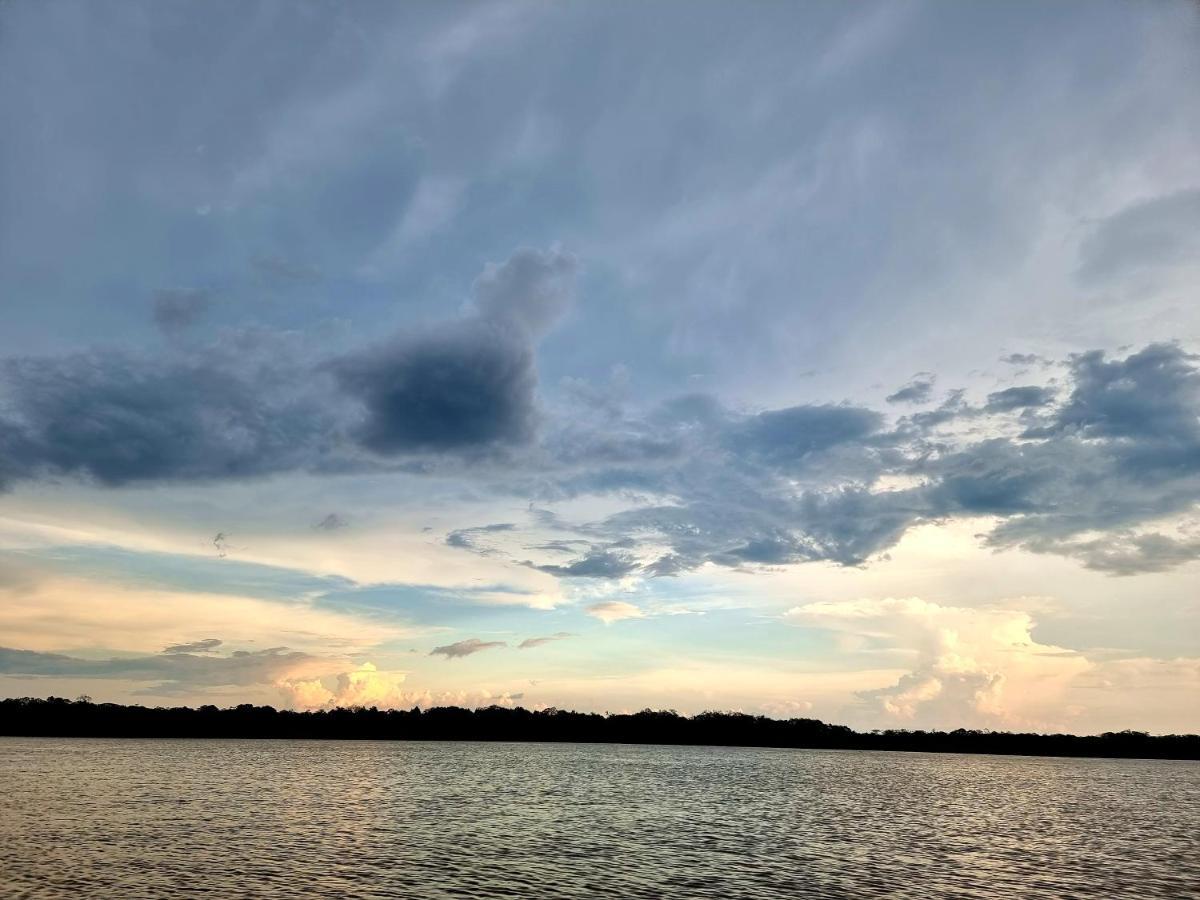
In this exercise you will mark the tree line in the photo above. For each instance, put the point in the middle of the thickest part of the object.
(59, 717)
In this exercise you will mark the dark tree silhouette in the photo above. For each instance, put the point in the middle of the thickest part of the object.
(57, 717)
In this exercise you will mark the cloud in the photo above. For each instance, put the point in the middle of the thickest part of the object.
(596, 563)
(918, 390)
(969, 667)
(434, 204)
(464, 538)
(179, 309)
(469, 384)
(609, 611)
(1124, 552)
(953, 408)
(173, 669)
(195, 647)
(1024, 359)
(789, 435)
(530, 290)
(141, 603)
(1122, 450)
(532, 642)
(1150, 234)
(364, 686)
(465, 648)
(1145, 690)
(463, 387)
(1018, 398)
(257, 404)
(1115, 450)
(1152, 396)
(331, 522)
(368, 686)
(118, 418)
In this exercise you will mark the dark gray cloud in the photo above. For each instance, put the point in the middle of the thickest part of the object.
(532, 642)
(177, 309)
(790, 435)
(203, 646)
(953, 407)
(596, 563)
(242, 667)
(1022, 397)
(768, 524)
(668, 566)
(1151, 396)
(467, 387)
(1122, 450)
(465, 648)
(1117, 448)
(918, 390)
(259, 403)
(331, 522)
(996, 477)
(118, 418)
(744, 490)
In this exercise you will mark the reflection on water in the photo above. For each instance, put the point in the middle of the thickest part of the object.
(229, 819)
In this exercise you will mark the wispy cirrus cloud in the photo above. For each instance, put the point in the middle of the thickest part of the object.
(530, 643)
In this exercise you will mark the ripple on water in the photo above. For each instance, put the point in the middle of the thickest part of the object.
(300, 819)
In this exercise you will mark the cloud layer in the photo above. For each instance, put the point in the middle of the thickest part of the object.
(1104, 468)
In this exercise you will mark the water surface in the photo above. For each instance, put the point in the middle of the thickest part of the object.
(309, 819)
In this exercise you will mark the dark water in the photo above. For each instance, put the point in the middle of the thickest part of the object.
(230, 819)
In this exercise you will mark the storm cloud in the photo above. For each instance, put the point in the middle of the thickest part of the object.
(1119, 451)
(458, 388)
(465, 385)
(258, 404)
(119, 418)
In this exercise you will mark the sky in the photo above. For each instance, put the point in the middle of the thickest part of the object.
(832, 360)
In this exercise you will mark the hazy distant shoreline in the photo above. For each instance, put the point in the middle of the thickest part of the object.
(57, 717)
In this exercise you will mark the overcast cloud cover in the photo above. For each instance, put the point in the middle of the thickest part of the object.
(836, 360)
